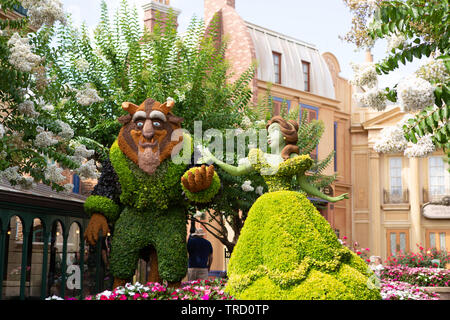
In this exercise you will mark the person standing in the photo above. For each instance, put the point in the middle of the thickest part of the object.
(200, 255)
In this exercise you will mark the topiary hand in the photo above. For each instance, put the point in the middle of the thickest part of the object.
(339, 198)
(199, 180)
(96, 223)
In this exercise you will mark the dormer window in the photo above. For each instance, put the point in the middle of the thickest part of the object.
(277, 66)
(306, 66)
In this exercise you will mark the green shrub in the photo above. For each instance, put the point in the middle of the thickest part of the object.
(99, 204)
(287, 250)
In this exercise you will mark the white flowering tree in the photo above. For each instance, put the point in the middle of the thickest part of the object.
(122, 61)
(35, 144)
(414, 29)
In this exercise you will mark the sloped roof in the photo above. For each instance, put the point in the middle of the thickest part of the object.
(293, 52)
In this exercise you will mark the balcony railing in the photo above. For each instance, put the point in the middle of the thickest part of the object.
(434, 195)
(392, 196)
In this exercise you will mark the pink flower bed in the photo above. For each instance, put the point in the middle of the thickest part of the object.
(423, 277)
(398, 290)
(190, 290)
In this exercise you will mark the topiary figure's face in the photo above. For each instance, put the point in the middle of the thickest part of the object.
(275, 138)
(146, 134)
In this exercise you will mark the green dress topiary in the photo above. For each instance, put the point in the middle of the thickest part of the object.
(287, 250)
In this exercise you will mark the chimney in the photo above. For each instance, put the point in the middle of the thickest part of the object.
(369, 56)
(155, 7)
(213, 6)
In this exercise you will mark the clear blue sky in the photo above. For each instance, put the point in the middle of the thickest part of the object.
(319, 22)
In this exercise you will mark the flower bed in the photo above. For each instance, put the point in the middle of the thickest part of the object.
(398, 290)
(190, 290)
(424, 277)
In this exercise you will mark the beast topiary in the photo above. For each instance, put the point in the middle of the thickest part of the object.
(140, 192)
(287, 250)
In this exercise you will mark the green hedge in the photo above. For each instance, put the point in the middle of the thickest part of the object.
(287, 250)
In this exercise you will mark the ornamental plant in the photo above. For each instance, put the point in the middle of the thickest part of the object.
(424, 258)
(354, 246)
(418, 276)
(414, 29)
(36, 144)
(189, 290)
(398, 290)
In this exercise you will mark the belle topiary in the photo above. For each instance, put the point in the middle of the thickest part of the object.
(140, 191)
(286, 249)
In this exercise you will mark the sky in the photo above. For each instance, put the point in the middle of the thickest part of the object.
(319, 22)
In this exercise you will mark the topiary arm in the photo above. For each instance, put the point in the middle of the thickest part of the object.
(240, 170)
(310, 189)
(104, 199)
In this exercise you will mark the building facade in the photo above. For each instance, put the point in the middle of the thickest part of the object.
(399, 203)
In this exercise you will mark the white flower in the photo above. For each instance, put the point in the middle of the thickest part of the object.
(395, 41)
(82, 152)
(88, 96)
(11, 174)
(54, 173)
(259, 190)
(88, 170)
(246, 122)
(27, 109)
(54, 298)
(2, 131)
(26, 183)
(48, 108)
(433, 70)
(44, 12)
(68, 187)
(21, 56)
(246, 186)
(365, 74)
(415, 93)
(66, 131)
(374, 98)
(82, 65)
(391, 140)
(422, 148)
(44, 138)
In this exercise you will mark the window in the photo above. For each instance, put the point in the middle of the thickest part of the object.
(306, 75)
(397, 241)
(76, 183)
(439, 239)
(436, 179)
(312, 114)
(277, 66)
(395, 177)
(280, 106)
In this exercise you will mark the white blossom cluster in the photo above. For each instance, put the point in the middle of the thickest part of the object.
(42, 12)
(88, 96)
(373, 98)
(259, 190)
(66, 131)
(54, 173)
(2, 131)
(88, 170)
(82, 65)
(27, 109)
(44, 138)
(433, 70)
(394, 41)
(68, 187)
(365, 74)
(21, 57)
(11, 174)
(48, 108)
(81, 153)
(422, 148)
(391, 140)
(414, 93)
(247, 186)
